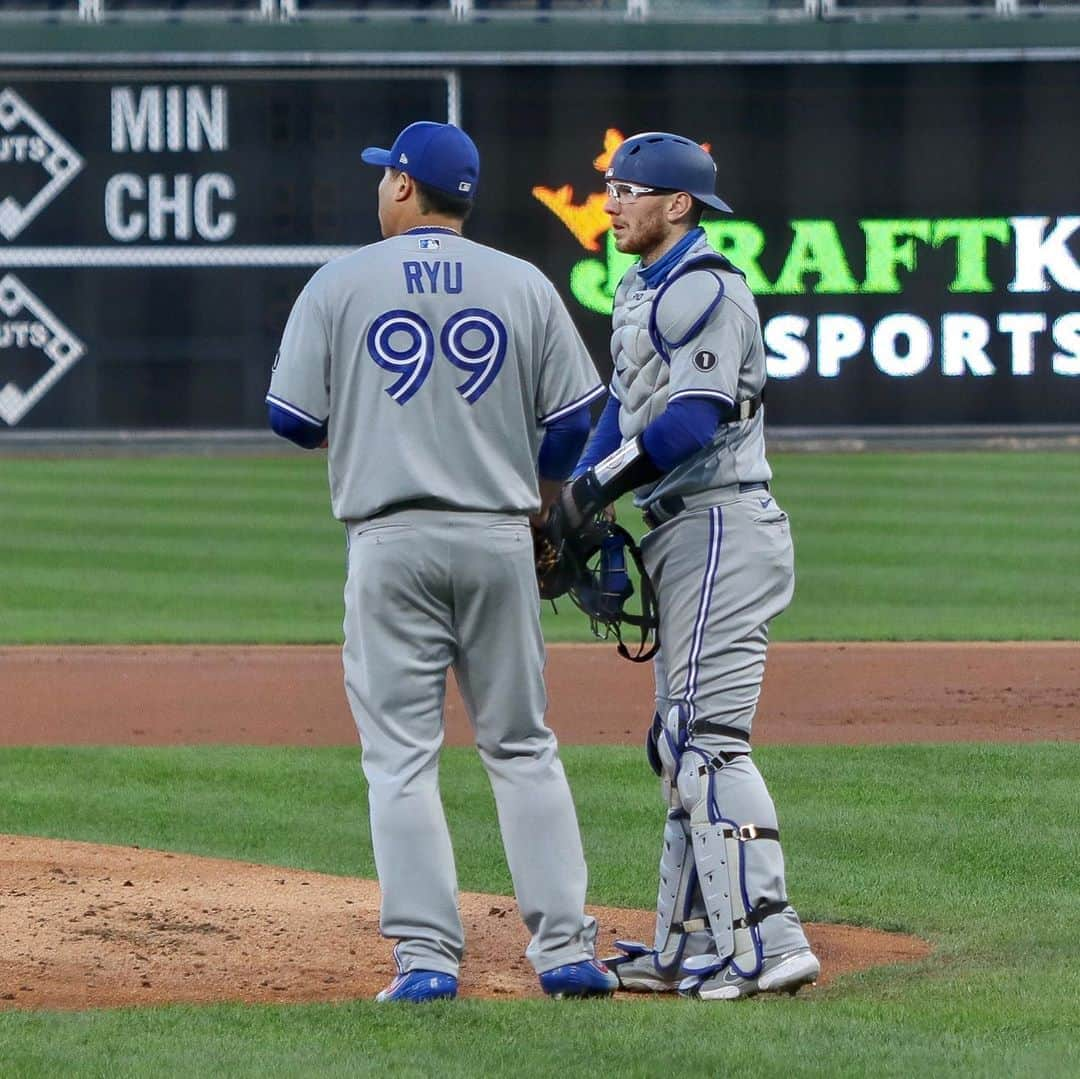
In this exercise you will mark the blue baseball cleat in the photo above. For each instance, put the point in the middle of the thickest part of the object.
(588, 978)
(419, 986)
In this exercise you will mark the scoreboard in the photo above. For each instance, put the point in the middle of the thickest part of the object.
(156, 226)
(911, 230)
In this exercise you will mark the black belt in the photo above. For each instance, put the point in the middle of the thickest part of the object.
(663, 509)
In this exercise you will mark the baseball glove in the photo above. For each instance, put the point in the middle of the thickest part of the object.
(589, 564)
(556, 566)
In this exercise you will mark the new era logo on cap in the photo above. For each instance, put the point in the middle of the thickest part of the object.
(440, 155)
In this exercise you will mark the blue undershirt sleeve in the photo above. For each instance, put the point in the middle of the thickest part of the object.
(682, 429)
(290, 426)
(606, 438)
(562, 443)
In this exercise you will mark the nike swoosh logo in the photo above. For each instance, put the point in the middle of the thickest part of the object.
(763, 502)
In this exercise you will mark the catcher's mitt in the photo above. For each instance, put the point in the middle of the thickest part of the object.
(602, 589)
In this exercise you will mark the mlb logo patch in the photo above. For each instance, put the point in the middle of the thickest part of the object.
(429, 243)
(465, 187)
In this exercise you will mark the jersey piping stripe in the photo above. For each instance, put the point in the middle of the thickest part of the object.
(702, 393)
(299, 413)
(716, 537)
(558, 414)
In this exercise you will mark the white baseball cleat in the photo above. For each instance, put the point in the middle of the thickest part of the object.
(785, 973)
(639, 969)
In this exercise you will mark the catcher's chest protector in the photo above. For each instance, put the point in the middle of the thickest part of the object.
(640, 375)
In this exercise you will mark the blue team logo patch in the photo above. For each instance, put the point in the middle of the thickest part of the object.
(705, 360)
(429, 243)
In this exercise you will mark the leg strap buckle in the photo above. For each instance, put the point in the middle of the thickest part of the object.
(748, 832)
(690, 925)
(714, 764)
(759, 914)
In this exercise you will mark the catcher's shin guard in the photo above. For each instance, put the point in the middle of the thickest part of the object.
(681, 928)
(721, 850)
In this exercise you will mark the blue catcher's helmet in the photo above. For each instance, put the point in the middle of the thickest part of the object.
(660, 159)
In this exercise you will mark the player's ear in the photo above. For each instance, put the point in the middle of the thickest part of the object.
(679, 206)
(404, 187)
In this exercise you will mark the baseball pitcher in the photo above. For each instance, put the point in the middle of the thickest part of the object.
(451, 388)
(684, 428)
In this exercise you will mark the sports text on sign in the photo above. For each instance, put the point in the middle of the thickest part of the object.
(25, 137)
(27, 324)
(172, 118)
(183, 206)
(169, 207)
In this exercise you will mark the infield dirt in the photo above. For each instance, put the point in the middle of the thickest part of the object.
(83, 925)
(835, 694)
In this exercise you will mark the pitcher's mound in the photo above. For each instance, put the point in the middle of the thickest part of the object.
(89, 926)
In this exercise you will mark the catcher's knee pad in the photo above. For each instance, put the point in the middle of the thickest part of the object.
(669, 742)
(652, 751)
(728, 859)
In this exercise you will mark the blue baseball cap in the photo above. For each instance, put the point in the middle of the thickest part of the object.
(441, 155)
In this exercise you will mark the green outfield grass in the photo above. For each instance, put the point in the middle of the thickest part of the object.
(971, 847)
(920, 546)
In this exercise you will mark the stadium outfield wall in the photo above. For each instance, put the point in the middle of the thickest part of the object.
(904, 191)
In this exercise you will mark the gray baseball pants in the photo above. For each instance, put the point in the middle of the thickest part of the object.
(428, 590)
(721, 573)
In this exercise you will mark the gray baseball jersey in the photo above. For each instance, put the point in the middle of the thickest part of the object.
(709, 322)
(437, 361)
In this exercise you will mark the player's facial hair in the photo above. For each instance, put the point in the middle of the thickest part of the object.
(649, 231)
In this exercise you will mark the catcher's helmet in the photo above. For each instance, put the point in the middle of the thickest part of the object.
(660, 159)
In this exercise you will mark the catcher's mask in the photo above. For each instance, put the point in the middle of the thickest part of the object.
(599, 585)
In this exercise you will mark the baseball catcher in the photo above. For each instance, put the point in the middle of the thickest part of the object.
(683, 428)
